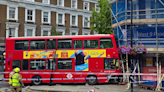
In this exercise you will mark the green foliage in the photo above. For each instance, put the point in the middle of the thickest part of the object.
(54, 32)
(102, 19)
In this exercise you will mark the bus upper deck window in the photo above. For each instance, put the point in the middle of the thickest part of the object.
(37, 44)
(51, 44)
(106, 43)
(21, 45)
(77, 44)
(90, 43)
(64, 44)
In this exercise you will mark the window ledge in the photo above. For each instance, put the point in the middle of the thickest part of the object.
(86, 27)
(74, 26)
(62, 25)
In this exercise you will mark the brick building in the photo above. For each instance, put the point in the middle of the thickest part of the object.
(37, 17)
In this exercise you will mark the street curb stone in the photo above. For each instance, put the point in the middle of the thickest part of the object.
(48, 90)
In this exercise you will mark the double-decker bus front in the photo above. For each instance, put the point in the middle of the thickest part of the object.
(63, 59)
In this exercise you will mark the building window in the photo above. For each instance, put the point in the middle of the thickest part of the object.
(86, 31)
(46, 17)
(29, 30)
(74, 31)
(12, 13)
(74, 20)
(46, 1)
(97, 9)
(86, 22)
(45, 33)
(74, 3)
(12, 29)
(30, 15)
(60, 19)
(12, 32)
(86, 6)
(61, 2)
(45, 30)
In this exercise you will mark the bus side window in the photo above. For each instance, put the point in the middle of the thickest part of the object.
(64, 43)
(25, 65)
(109, 63)
(16, 63)
(77, 44)
(51, 43)
(106, 43)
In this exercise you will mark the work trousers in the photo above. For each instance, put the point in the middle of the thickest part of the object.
(16, 88)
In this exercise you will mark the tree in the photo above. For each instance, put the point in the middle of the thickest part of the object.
(54, 32)
(102, 19)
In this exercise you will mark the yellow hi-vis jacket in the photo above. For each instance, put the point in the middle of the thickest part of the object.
(16, 80)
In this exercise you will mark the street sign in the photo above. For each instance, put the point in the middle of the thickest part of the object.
(91, 90)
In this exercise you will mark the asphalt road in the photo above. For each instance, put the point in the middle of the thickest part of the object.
(4, 87)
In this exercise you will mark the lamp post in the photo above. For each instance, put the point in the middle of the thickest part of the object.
(131, 61)
(51, 60)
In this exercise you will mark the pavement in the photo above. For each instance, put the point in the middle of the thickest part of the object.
(84, 88)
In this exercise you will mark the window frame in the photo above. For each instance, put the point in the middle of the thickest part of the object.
(76, 20)
(63, 19)
(46, 3)
(62, 3)
(106, 48)
(88, 24)
(35, 60)
(75, 5)
(30, 26)
(90, 39)
(55, 44)
(22, 40)
(27, 64)
(38, 40)
(20, 64)
(104, 63)
(97, 7)
(81, 43)
(63, 48)
(88, 4)
(65, 69)
(26, 15)
(49, 17)
(8, 13)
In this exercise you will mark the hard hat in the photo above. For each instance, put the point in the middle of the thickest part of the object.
(17, 70)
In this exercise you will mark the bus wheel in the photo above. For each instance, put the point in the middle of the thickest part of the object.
(36, 80)
(92, 80)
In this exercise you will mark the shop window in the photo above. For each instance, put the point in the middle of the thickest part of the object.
(25, 64)
(37, 64)
(21, 45)
(51, 44)
(109, 63)
(77, 44)
(64, 64)
(106, 43)
(64, 44)
(37, 44)
(90, 43)
(16, 63)
(50, 64)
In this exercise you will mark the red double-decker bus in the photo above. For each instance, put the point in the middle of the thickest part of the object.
(63, 59)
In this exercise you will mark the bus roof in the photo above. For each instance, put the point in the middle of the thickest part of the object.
(60, 37)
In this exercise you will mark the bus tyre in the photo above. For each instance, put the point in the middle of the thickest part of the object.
(92, 80)
(36, 80)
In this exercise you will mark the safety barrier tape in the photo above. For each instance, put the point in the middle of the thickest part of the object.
(84, 73)
(32, 79)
